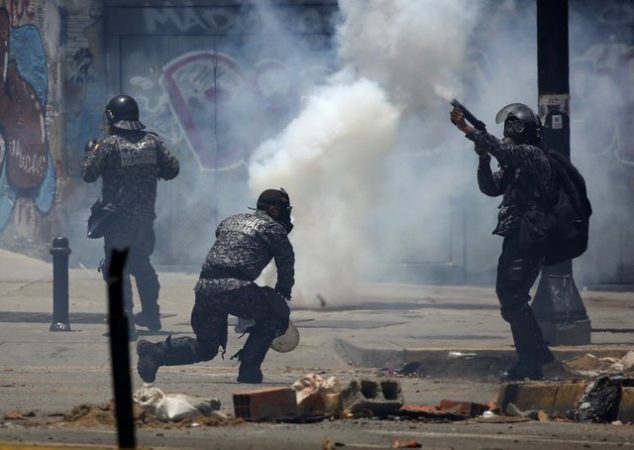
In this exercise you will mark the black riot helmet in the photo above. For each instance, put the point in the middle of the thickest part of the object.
(520, 124)
(277, 197)
(122, 112)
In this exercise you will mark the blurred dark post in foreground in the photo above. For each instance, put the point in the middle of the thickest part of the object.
(119, 352)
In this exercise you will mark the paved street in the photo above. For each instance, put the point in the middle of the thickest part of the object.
(49, 373)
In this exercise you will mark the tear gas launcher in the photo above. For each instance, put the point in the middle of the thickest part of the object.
(477, 124)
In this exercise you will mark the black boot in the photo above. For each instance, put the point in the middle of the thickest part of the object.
(171, 352)
(523, 371)
(148, 286)
(253, 353)
(531, 349)
(249, 374)
(148, 319)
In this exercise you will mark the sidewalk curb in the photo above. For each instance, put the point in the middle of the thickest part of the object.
(557, 398)
(436, 361)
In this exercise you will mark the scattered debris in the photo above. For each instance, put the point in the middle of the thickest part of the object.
(371, 398)
(406, 444)
(175, 407)
(266, 404)
(317, 395)
(513, 411)
(91, 416)
(461, 355)
(600, 400)
(17, 415)
(447, 409)
(412, 368)
(591, 366)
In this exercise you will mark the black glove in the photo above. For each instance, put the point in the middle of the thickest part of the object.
(284, 293)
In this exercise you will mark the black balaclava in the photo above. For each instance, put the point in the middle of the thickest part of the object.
(279, 197)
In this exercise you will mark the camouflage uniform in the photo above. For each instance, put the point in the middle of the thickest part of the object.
(245, 244)
(525, 180)
(130, 164)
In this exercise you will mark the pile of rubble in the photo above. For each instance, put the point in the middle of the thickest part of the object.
(313, 397)
(590, 366)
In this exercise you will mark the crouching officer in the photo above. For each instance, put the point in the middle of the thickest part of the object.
(245, 244)
(525, 180)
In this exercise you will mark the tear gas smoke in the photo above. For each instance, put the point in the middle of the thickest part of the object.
(328, 159)
(333, 158)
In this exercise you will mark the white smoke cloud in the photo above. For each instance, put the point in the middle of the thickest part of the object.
(399, 61)
(327, 159)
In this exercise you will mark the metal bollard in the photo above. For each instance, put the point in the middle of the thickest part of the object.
(60, 252)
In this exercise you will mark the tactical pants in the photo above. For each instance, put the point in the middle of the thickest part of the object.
(209, 321)
(139, 238)
(516, 274)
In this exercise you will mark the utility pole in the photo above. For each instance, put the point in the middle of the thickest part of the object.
(557, 306)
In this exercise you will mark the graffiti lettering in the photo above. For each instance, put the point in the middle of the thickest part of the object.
(188, 19)
(27, 167)
(83, 59)
(30, 164)
(184, 19)
(133, 156)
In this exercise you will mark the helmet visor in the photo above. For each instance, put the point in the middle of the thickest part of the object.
(518, 110)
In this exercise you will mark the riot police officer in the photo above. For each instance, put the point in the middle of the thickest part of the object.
(244, 246)
(525, 180)
(130, 161)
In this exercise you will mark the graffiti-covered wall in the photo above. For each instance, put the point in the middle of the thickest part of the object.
(29, 121)
(216, 79)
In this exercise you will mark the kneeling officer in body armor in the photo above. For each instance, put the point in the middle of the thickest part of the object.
(245, 244)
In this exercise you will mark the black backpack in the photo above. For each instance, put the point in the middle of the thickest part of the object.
(560, 232)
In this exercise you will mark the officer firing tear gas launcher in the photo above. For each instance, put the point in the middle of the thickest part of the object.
(543, 218)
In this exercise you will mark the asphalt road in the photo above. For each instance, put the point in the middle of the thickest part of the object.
(49, 373)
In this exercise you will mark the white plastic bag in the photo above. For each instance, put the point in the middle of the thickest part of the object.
(174, 407)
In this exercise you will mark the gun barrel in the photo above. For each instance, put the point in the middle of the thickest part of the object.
(478, 124)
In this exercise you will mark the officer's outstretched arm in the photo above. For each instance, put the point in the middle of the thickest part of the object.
(518, 156)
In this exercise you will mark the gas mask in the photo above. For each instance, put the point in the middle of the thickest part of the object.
(279, 198)
(521, 124)
(285, 217)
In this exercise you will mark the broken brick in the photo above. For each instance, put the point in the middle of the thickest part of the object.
(262, 404)
(469, 409)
